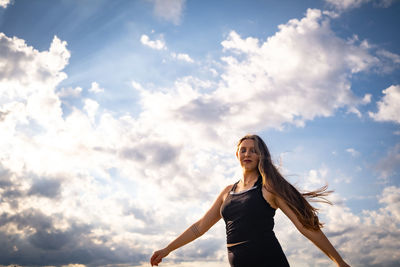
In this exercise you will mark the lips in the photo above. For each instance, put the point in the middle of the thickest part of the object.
(247, 161)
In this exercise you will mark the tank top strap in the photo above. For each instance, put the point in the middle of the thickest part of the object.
(234, 186)
(259, 182)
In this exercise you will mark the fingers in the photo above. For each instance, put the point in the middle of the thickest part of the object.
(156, 262)
(152, 259)
(156, 258)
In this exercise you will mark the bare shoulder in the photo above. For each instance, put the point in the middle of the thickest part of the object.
(225, 192)
(270, 197)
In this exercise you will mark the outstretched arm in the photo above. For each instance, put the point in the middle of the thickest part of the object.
(315, 236)
(211, 217)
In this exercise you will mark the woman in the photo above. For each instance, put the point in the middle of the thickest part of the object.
(248, 208)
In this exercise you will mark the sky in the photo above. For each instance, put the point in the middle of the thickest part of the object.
(119, 122)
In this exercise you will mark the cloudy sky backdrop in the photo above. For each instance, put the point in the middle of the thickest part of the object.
(119, 120)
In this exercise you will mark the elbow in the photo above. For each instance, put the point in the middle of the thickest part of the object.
(198, 229)
(202, 229)
(303, 230)
(202, 233)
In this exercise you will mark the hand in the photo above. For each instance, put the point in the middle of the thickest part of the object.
(158, 256)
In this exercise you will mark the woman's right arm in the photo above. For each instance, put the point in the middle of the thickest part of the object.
(197, 229)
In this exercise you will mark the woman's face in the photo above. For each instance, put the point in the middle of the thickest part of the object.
(247, 155)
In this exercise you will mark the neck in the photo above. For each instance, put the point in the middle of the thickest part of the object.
(249, 177)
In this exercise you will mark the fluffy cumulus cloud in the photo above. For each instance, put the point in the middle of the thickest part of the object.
(43, 205)
(156, 44)
(159, 44)
(95, 88)
(91, 188)
(4, 3)
(378, 232)
(27, 82)
(300, 73)
(73, 188)
(183, 57)
(388, 106)
(296, 75)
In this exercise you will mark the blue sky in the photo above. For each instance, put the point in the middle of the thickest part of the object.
(119, 120)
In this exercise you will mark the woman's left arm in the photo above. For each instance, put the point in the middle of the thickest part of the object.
(315, 236)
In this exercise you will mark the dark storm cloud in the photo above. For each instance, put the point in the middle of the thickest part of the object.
(163, 153)
(5, 176)
(202, 110)
(133, 153)
(156, 153)
(38, 241)
(9, 193)
(46, 187)
(54, 240)
(203, 249)
(43, 244)
(29, 218)
(339, 233)
(14, 193)
(140, 214)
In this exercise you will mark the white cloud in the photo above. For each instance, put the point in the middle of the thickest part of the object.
(157, 44)
(183, 57)
(389, 61)
(32, 75)
(331, 14)
(389, 106)
(283, 79)
(316, 177)
(392, 56)
(70, 92)
(352, 152)
(346, 4)
(95, 88)
(391, 198)
(367, 239)
(169, 10)
(180, 146)
(367, 99)
(4, 3)
(91, 108)
(214, 72)
(137, 86)
(342, 5)
(344, 179)
(238, 45)
(389, 165)
(59, 174)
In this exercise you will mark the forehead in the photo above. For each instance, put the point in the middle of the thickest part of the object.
(247, 143)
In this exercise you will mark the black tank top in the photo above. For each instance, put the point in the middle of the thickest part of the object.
(247, 215)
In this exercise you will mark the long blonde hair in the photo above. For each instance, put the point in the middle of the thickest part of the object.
(277, 184)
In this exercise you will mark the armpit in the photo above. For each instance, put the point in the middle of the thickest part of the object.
(269, 197)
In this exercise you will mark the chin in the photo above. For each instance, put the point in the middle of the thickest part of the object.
(250, 168)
